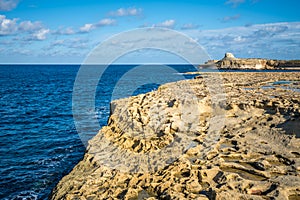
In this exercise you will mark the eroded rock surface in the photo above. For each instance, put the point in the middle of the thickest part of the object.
(252, 153)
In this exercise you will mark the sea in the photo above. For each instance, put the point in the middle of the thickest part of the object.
(39, 142)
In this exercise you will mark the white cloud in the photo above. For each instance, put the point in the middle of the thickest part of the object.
(40, 34)
(26, 30)
(103, 22)
(77, 43)
(22, 51)
(58, 42)
(30, 26)
(230, 18)
(121, 12)
(167, 24)
(66, 31)
(234, 3)
(86, 28)
(275, 40)
(69, 31)
(189, 26)
(106, 22)
(145, 25)
(239, 39)
(73, 43)
(7, 5)
(8, 26)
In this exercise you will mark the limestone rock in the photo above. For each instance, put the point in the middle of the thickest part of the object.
(252, 154)
(229, 55)
(231, 62)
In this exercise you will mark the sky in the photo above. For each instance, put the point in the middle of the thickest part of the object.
(65, 31)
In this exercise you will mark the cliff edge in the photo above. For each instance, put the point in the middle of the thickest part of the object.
(253, 154)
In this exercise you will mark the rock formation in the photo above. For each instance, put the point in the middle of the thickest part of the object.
(229, 55)
(252, 153)
(230, 62)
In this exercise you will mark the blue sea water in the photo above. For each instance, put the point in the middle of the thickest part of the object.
(39, 143)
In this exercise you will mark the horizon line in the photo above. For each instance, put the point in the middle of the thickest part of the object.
(98, 64)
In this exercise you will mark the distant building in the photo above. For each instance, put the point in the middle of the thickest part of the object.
(210, 62)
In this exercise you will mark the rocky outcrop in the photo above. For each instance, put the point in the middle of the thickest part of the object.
(230, 62)
(239, 146)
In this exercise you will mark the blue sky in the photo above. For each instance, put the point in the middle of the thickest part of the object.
(65, 31)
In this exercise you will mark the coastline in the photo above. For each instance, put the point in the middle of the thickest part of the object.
(255, 156)
(230, 62)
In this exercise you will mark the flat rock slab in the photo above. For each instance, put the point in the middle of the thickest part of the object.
(219, 136)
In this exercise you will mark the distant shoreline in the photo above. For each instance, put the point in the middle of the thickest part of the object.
(231, 62)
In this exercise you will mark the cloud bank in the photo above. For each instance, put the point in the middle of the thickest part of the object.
(7, 5)
(35, 29)
(274, 40)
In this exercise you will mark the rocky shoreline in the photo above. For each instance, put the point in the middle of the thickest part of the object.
(253, 152)
(231, 62)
